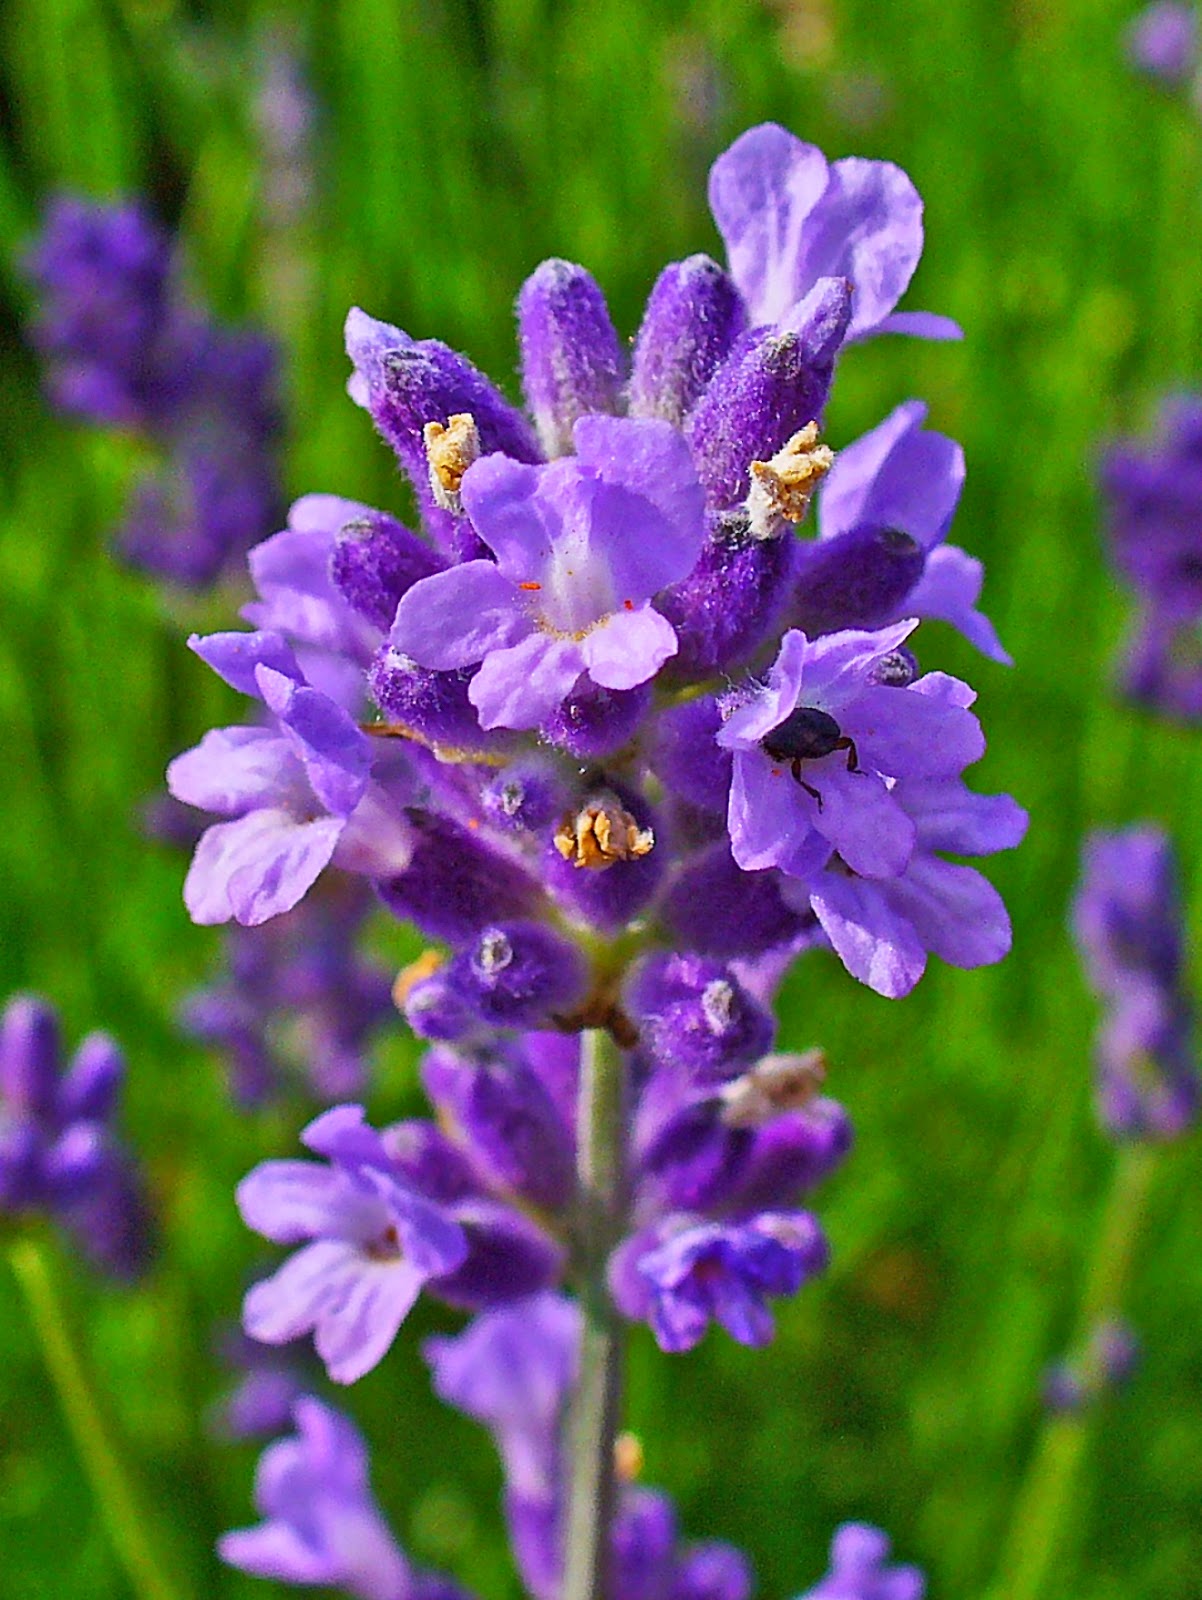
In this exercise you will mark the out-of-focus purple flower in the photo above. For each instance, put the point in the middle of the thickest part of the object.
(814, 746)
(790, 217)
(1128, 925)
(860, 1569)
(296, 999)
(300, 793)
(1107, 1363)
(271, 1380)
(125, 348)
(581, 546)
(684, 1274)
(320, 1523)
(900, 476)
(1162, 41)
(374, 1244)
(59, 1152)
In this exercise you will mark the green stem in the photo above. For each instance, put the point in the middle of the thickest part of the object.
(594, 1424)
(1046, 1493)
(105, 1470)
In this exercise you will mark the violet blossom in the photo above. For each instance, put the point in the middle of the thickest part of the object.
(859, 1569)
(1161, 41)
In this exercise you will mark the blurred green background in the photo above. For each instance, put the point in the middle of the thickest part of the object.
(459, 142)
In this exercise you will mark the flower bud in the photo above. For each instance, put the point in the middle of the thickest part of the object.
(455, 884)
(694, 1014)
(572, 359)
(29, 1056)
(594, 723)
(374, 562)
(433, 705)
(685, 757)
(716, 909)
(90, 1087)
(693, 317)
(859, 579)
(508, 1258)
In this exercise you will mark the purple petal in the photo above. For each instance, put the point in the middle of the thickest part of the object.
(949, 589)
(356, 1332)
(769, 706)
(867, 227)
(628, 648)
(287, 1201)
(651, 460)
(501, 497)
(904, 734)
(288, 1304)
(921, 325)
(762, 192)
(336, 754)
(234, 657)
(838, 665)
(457, 617)
(862, 820)
(897, 476)
(257, 867)
(772, 819)
(951, 817)
(956, 912)
(233, 770)
(521, 687)
(274, 1550)
(874, 941)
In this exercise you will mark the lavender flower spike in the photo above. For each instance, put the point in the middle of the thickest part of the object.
(374, 1244)
(858, 1570)
(320, 1523)
(789, 218)
(1162, 42)
(581, 546)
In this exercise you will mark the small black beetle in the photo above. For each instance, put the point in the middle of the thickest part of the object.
(808, 734)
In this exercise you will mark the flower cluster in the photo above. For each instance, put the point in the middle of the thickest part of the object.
(125, 348)
(622, 744)
(1162, 42)
(1152, 495)
(59, 1153)
(1127, 920)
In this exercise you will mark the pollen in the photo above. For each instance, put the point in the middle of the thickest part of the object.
(531, 586)
(628, 605)
(781, 488)
(450, 451)
(602, 833)
(775, 1084)
(408, 978)
(628, 1458)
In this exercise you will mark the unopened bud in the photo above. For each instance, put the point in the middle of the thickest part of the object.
(777, 1083)
(602, 833)
(781, 488)
(450, 451)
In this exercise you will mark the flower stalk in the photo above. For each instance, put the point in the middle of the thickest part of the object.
(594, 1422)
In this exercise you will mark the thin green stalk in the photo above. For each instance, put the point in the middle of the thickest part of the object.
(1046, 1493)
(594, 1423)
(102, 1463)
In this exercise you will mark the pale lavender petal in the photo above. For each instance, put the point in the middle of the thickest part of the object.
(897, 476)
(772, 819)
(948, 691)
(628, 648)
(769, 706)
(956, 912)
(287, 1201)
(455, 618)
(651, 460)
(378, 839)
(274, 1550)
(837, 665)
(867, 227)
(904, 734)
(234, 657)
(860, 817)
(288, 1304)
(949, 589)
(233, 770)
(516, 523)
(921, 325)
(335, 752)
(258, 866)
(949, 816)
(875, 942)
(521, 687)
(762, 192)
(355, 1331)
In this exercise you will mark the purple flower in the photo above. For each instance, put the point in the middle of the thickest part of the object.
(581, 546)
(902, 476)
(1162, 41)
(813, 748)
(859, 1570)
(790, 217)
(300, 792)
(58, 1150)
(320, 1523)
(882, 928)
(684, 1274)
(374, 1244)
